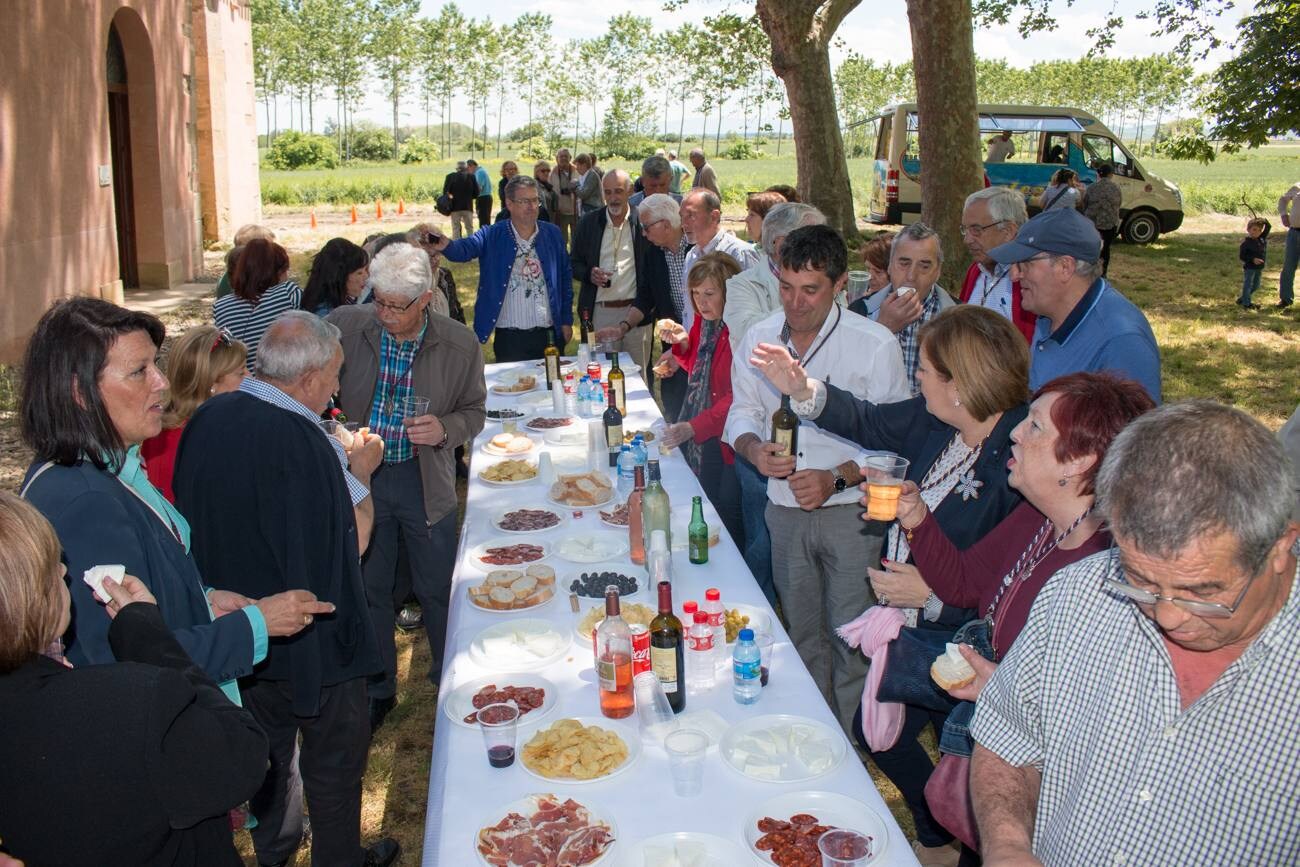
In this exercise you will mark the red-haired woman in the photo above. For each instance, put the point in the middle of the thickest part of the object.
(263, 291)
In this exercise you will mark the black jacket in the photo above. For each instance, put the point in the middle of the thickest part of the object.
(584, 254)
(1254, 248)
(270, 512)
(654, 297)
(136, 762)
(463, 190)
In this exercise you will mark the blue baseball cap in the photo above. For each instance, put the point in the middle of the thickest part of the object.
(1060, 231)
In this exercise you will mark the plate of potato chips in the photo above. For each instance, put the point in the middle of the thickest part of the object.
(580, 750)
(511, 472)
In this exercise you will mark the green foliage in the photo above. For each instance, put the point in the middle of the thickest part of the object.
(536, 151)
(369, 142)
(527, 131)
(475, 145)
(298, 150)
(1188, 146)
(743, 150)
(419, 149)
(1254, 95)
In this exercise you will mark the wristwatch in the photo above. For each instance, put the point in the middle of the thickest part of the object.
(840, 483)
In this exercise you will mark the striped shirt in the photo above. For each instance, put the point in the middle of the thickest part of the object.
(248, 322)
(274, 396)
(392, 388)
(1088, 695)
(527, 303)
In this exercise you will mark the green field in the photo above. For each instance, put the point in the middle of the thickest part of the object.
(1260, 176)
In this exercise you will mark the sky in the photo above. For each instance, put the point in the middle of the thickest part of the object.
(877, 29)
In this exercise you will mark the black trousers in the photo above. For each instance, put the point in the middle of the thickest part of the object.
(519, 344)
(483, 205)
(718, 479)
(1107, 235)
(398, 495)
(329, 766)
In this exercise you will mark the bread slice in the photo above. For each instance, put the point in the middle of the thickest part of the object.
(502, 577)
(502, 440)
(544, 574)
(540, 595)
(951, 670)
(478, 594)
(501, 598)
(524, 587)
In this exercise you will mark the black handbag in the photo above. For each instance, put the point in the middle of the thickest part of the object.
(443, 205)
(907, 669)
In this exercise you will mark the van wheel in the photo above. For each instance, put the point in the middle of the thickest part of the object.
(1141, 227)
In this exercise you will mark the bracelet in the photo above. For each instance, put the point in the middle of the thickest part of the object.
(627, 326)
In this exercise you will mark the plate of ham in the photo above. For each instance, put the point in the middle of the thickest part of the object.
(544, 829)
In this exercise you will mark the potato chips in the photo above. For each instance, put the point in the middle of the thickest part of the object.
(570, 750)
(509, 471)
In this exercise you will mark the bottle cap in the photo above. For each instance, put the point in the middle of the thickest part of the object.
(712, 594)
(690, 606)
(702, 617)
(746, 635)
(658, 539)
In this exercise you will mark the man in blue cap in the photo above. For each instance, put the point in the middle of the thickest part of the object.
(1084, 324)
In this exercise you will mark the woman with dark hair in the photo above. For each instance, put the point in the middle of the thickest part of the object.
(875, 255)
(338, 276)
(91, 395)
(1064, 191)
(263, 291)
(148, 757)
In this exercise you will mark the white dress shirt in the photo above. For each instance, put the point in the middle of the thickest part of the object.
(860, 356)
(617, 257)
(992, 289)
(722, 242)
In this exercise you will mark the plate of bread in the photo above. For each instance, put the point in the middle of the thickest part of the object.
(515, 383)
(582, 490)
(508, 445)
(514, 589)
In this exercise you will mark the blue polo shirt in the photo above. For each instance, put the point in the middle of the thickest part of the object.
(1104, 331)
(484, 183)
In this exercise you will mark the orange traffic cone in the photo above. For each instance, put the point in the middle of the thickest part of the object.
(401, 206)
(379, 209)
(354, 214)
(313, 218)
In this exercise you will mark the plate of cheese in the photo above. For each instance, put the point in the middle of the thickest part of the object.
(685, 849)
(782, 748)
(527, 644)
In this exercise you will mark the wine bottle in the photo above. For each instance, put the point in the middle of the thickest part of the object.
(655, 509)
(616, 384)
(668, 650)
(785, 429)
(697, 534)
(636, 541)
(551, 356)
(614, 660)
(613, 421)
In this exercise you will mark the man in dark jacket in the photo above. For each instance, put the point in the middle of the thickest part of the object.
(463, 189)
(604, 264)
(276, 504)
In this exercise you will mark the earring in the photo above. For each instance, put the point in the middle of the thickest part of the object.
(1063, 482)
(956, 402)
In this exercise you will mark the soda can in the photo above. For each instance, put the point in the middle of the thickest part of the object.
(640, 648)
(593, 369)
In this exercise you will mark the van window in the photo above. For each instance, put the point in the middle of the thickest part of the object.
(884, 134)
(1101, 149)
(1056, 148)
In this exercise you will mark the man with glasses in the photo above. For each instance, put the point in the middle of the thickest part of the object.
(991, 217)
(1147, 712)
(1084, 323)
(525, 282)
(415, 378)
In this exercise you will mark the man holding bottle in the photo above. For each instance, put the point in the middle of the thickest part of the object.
(820, 545)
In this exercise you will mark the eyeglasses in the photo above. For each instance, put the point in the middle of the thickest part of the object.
(527, 203)
(223, 338)
(648, 226)
(1197, 607)
(976, 231)
(395, 308)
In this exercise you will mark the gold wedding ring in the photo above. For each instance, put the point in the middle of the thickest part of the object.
(306, 620)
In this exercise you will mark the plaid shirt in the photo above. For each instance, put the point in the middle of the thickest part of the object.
(274, 396)
(907, 337)
(677, 279)
(396, 358)
(1087, 694)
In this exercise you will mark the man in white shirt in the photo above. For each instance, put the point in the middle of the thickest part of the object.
(604, 264)
(702, 222)
(820, 545)
(1000, 147)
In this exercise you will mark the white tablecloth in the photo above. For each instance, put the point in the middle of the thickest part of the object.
(465, 793)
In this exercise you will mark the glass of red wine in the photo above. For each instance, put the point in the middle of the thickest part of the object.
(498, 723)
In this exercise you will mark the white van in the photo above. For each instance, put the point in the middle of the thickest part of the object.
(1041, 140)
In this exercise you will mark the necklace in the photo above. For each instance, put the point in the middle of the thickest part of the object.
(966, 482)
(1028, 561)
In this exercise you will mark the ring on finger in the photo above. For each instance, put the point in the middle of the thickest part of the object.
(882, 600)
(306, 620)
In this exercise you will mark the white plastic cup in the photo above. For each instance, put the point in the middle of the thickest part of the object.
(686, 749)
(545, 468)
(841, 847)
(653, 711)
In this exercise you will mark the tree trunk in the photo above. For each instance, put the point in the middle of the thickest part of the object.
(780, 133)
(681, 129)
(943, 57)
(800, 33)
(311, 108)
(717, 139)
(396, 100)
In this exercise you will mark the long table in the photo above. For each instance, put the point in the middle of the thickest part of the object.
(465, 793)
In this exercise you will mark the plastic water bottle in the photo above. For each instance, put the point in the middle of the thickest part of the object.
(581, 392)
(700, 673)
(746, 669)
(659, 560)
(718, 623)
(626, 472)
(639, 450)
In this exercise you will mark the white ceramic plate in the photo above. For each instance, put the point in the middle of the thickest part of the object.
(504, 381)
(460, 703)
(716, 851)
(574, 422)
(490, 449)
(536, 605)
(792, 767)
(509, 484)
(476, 554)
(629, 735)
(830, 808)
(526, 806)
(622, 527)
(503, 647)
(613, 492)
(572, 435)
(536, 398)
(524, 415)
(500, 515)
(568, 579)
(583, 640)
(598, 547)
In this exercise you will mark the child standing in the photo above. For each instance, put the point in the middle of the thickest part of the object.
(1251, 253)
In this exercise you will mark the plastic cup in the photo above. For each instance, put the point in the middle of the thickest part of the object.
(884, 476)
(414, 406)
(653, 711)
(858, 283)
(545, 468)
(499, 723)
(686, 749)
(765, 641)
(510, 426)
(844, 848)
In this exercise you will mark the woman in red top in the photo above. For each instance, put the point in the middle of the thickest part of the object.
(201, 362)
(705, 355)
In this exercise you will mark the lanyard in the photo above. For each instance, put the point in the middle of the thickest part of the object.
(807, 360)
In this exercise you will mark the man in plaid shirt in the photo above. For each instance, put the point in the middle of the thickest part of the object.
(1147, 715)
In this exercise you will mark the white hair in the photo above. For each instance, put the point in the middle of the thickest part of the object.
(296, 343)
(403, 270)
(784, 218)
(917, 231)
(698, 152)
(660, 206)
(1005, 204)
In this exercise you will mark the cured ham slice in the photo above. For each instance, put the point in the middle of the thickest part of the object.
(554, 833)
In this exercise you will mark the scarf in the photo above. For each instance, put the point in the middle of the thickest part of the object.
(697, 386)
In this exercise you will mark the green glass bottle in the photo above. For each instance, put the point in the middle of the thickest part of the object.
(697, 533)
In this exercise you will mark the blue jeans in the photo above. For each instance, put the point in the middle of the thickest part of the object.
(1286, 282)
(1249, 283)
(758, 543)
